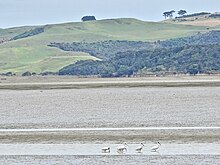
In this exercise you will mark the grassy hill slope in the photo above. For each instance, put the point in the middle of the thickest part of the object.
(33, 54)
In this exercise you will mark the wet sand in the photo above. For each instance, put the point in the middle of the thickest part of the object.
(113, 160)
(94, 137)
(110, 103)
(95, 149)
(111, 107)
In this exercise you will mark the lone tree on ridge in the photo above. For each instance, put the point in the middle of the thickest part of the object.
(88, 18)
(168, 14)
(182, 12)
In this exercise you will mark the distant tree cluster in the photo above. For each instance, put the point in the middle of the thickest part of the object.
(88, 18)
(8, 74)
(169, 14)
(28, 73)
(214, 16)
(182, 12)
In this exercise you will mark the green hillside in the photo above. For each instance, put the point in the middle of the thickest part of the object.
(31, 53)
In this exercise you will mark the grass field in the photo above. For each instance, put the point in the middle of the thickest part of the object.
(33, 54)
(6, 34)
(37, 59)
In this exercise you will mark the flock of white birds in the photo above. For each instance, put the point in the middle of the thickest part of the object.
(139, 149)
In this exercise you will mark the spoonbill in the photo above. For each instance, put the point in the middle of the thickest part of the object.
(156, 147)
(140, 148)
(122, 148)
(106, 149)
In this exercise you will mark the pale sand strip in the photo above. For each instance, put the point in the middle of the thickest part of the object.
(109, 129)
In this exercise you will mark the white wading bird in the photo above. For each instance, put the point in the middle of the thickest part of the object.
(140, 148)
(156, 147)
(122, 148)
(106, 149)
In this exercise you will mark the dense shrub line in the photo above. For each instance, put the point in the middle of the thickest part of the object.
(196, 54)
(29, 33)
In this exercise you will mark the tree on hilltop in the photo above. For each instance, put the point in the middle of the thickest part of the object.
(171, 13)
(182, 12)
(88, 18)
(168, 14)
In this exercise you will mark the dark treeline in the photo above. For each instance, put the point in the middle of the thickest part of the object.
(29, 33)
(212, 37)
(194, 15)
(187, 59)
(217, 15)
(195, 54)
(104, 49)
